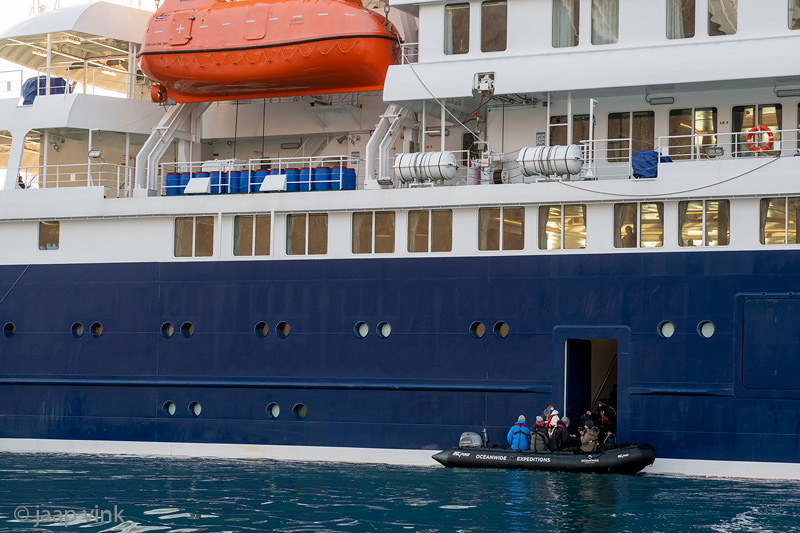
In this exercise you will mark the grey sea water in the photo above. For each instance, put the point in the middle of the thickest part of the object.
(129, 494)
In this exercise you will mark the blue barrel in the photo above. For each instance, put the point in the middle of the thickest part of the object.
(292, 179)
(322, 179)
(215, 182)
(305, 179)
(235, 183)
(184, 181)
(258, 179)
(336, 178)
(172, 184)
(244, 181)
(349, 179)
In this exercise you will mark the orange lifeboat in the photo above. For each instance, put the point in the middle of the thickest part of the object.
(203, 50)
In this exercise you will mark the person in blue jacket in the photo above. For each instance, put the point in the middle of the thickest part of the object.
(519, 436)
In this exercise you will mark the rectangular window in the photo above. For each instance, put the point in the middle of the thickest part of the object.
(381, 225)
(494, 25)
(566, 15)
(794, 14)
(554, 218)
(194, 236)
(49, 234)
(704, 223)
(779, 220)
(456, 29)
(758, 127)
(251, 235)
(436, 236)
(307, 231)
(722, 17)
(680, 19)
(605, 21)
(558, 132)
(691, 132)
(639, 225)
(636, 132)
(491, 226)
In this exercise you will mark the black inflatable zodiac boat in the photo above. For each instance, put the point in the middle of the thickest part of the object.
(620, 459)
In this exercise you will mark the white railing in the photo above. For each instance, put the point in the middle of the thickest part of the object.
(607, 158)
(409, 53)
(239, 176)
(11, 83)
(117, 179)
(753, 143)
(85, 80)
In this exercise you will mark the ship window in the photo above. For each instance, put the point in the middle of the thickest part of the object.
(477, 330)
(757, 127)
(187, 329)
(195, 409)
(77, 330)
(194, 236)
(262, 330)
(49, 234)
(283, 329)
(558, 129)
(494, 25)
(501, 330)
(566, 15)
(167, 330)
(680, 19)
(639, 225)
(300, 411)
(794, 14)
(691, 132)
(605, 21)
(633, 131)
(456, 29)
(169, 408)
(666, 329)
(491, 226)
(251, 235)
(307, 231)
(381, 225)
(273, 410)
(722, 17)
(96, 329)
(704, 222)
(361, 329)
(9, 329)
(430, 230)
(555, 218)
(384, 329)
(779, 218)
(706, 329)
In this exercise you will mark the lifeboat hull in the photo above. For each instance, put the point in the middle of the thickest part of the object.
(258, 49)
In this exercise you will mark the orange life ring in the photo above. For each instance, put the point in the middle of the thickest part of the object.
(756, 145)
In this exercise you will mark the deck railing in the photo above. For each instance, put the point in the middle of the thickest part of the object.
(409, 53)
(117, 179)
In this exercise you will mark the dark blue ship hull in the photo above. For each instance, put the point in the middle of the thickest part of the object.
(420, 387)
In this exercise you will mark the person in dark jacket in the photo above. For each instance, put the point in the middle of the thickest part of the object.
(605, 417)
(539, 440)
(586, 417)
(560, 437)
(519, 436)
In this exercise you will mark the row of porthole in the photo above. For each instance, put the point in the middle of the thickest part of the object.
(77, 329)
(705, 329)
(477, 330)
(273, 410)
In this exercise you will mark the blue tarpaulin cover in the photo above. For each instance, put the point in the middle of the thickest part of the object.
(645, 163)
(29, 89)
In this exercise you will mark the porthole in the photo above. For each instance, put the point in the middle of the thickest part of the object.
(273, 410)
(361, 329)
(262, 328)
(9, 330)
(167, 330)
(500, 330)
(168, 408)
(77, 329)
(300, 411)
(666, 329)
(195, 408)
(282, 329)
(96, 329)
(706, 329)
(477, 330)
(383, 330)
(187, 329)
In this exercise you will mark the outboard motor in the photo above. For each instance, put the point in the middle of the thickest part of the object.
(469, 439)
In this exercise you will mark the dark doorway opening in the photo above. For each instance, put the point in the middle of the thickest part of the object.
(590, 376)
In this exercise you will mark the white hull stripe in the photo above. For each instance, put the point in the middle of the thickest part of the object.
(691, 467)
